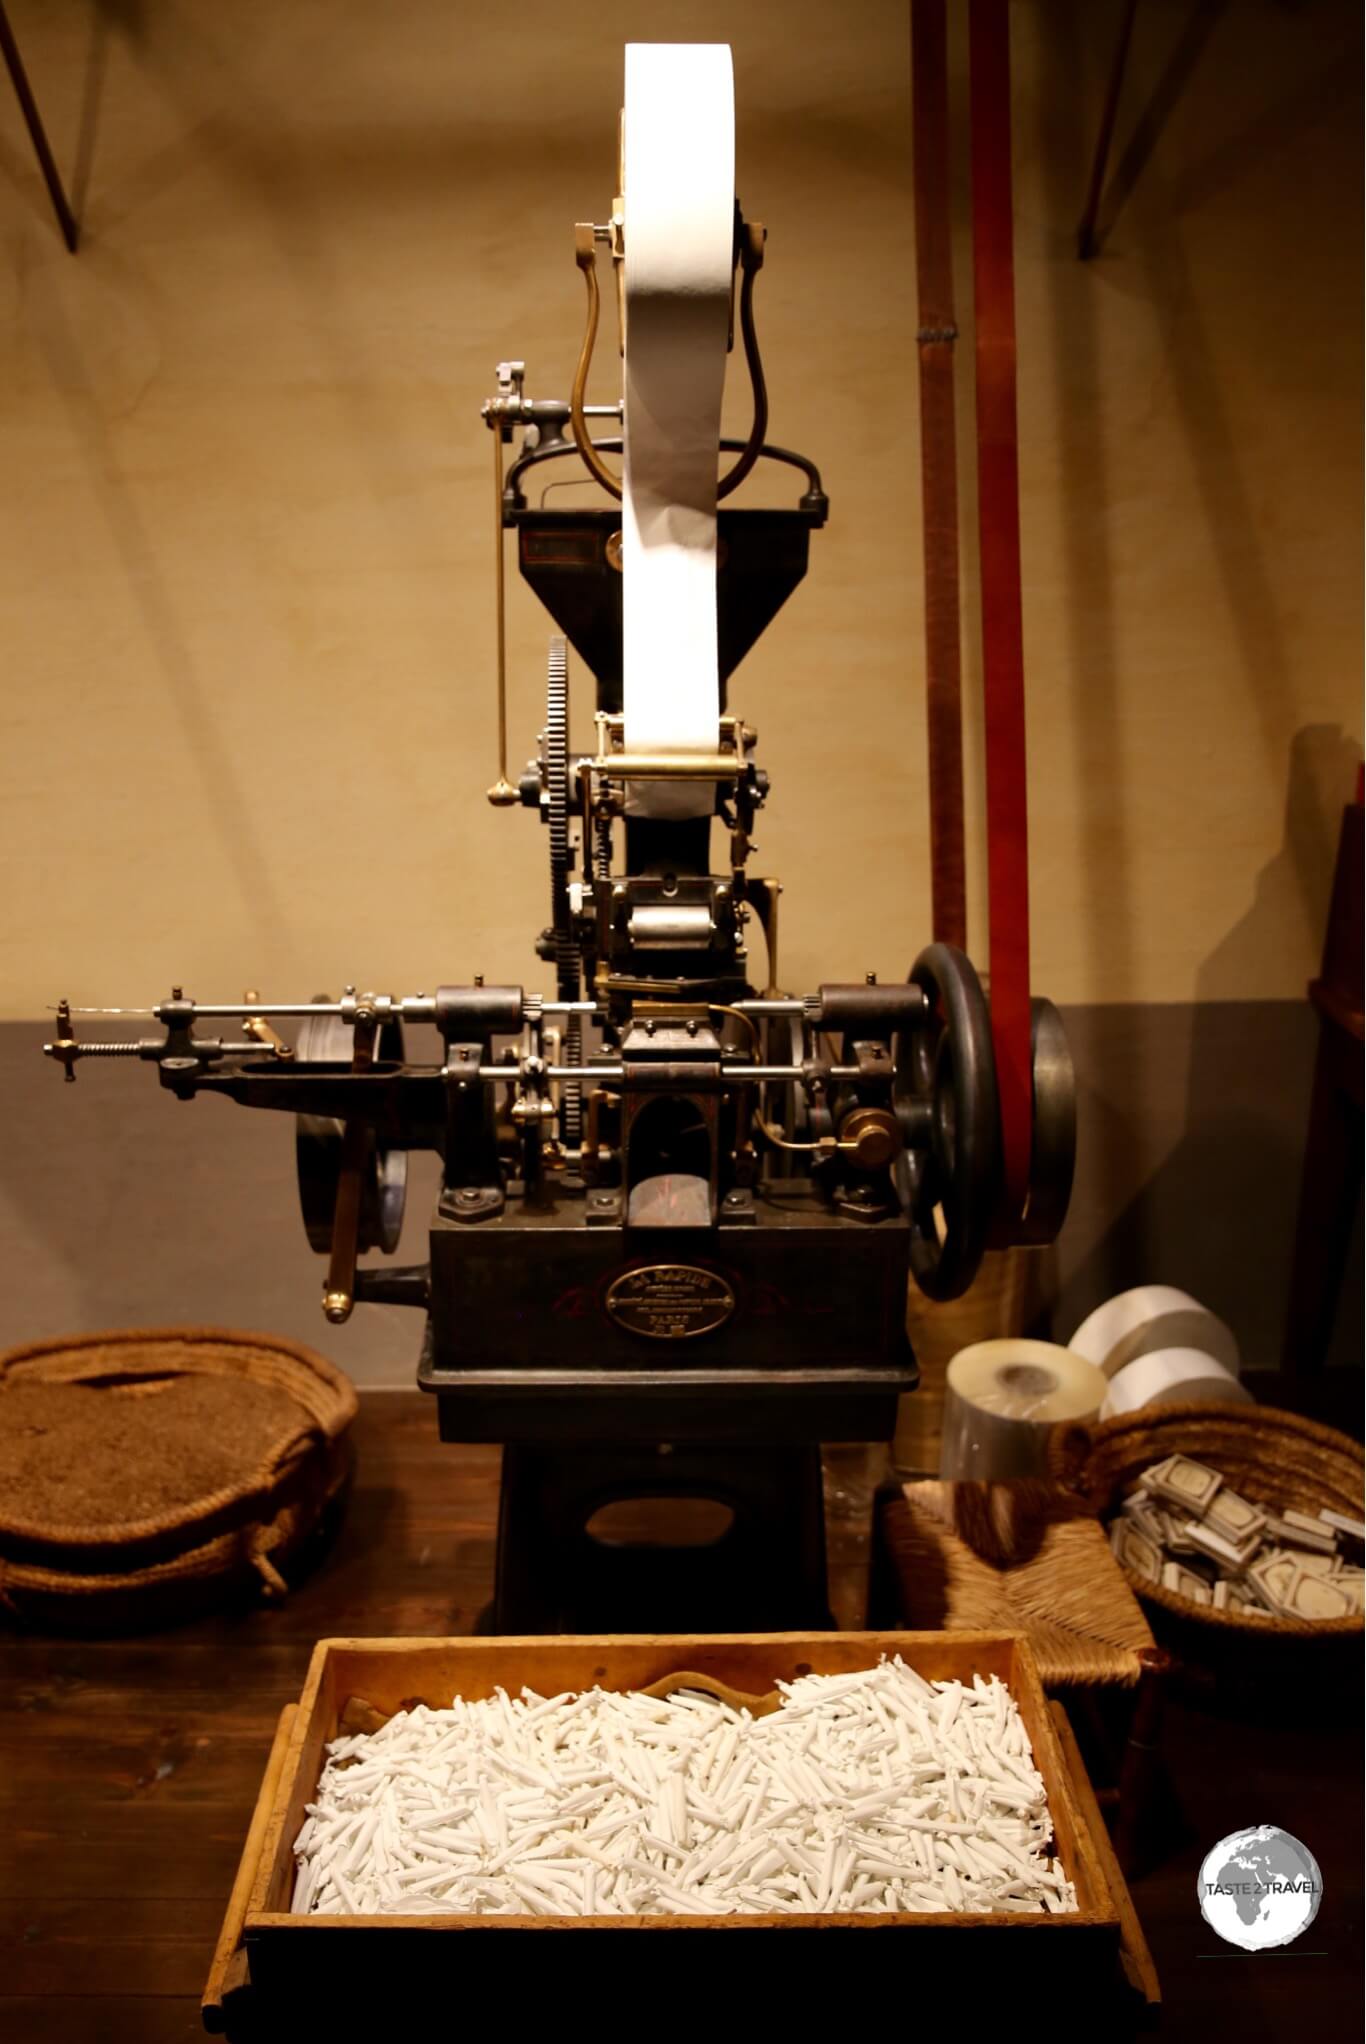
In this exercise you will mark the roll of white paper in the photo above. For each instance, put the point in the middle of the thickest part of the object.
(1150, 1318)
(1002, 1400)
(679, 235)
(1171, 1377)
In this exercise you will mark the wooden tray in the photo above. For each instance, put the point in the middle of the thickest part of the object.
(301, 1967)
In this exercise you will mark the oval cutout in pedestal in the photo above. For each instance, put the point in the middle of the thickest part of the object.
(660, 1522)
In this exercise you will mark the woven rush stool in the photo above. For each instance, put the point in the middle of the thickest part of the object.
(1032, 1558)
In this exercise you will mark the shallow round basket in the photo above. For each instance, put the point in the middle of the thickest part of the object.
(1273, 1458)
(242, 1535)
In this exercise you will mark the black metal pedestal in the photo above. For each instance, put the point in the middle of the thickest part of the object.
(765, 1573)
(524, 1347)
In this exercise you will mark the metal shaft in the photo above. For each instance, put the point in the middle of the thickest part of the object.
(412, 1007)
(613, 1075)
(502, 794)
(33, 121)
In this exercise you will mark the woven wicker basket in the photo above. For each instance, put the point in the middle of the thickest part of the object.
(1274, 1458)
(147, 1570)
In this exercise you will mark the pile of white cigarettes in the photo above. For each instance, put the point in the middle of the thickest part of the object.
(868, 1791)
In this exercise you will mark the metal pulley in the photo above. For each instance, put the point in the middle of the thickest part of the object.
(788, 1110)
(1053, 1151)
(944, 1094)
(321, 1146)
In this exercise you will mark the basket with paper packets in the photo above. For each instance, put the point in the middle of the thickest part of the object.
(1239, 1518)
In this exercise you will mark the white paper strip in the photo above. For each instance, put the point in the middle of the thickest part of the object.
(679, 224)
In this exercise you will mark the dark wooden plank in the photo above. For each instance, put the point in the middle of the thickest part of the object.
(98, 2019)
(165, 1852)
(143, 1948)
(158, 1770)
(58, 1682)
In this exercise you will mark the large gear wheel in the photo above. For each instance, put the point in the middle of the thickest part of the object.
(568, 960)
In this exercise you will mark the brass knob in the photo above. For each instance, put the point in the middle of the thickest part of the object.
(872, 1135)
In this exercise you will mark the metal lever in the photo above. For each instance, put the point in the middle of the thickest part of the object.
(260, 1031)
(510, 377)
(339, 1286)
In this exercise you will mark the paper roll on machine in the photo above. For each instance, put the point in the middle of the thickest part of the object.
(679, 1201)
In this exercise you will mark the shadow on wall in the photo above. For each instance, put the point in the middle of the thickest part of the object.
(1193, 1177)
(109, 18)
(120, 1207)
(222, 806)
(56, 308)
(1155, 269)
(1192, 1116)
(1292, 890)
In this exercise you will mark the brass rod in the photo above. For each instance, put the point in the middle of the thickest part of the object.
(339, 1286)
(827, 1145)
(259, 1029)
(585, 255)
(667, 766)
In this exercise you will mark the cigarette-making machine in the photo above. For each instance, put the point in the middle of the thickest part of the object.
(679, 1203)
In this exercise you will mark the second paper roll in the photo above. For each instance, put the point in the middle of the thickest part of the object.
(1002, 1401)
(1172, 1376)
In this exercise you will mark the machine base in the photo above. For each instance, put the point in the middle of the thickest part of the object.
(764, 1573)
(578, 1439)
(697, 1406)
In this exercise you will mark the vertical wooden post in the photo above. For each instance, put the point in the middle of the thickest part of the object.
(998, 497)
(937, 333)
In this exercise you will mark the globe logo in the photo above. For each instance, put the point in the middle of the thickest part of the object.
(1259, 1888)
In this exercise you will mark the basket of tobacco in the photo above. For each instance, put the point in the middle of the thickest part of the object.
(148, 1474)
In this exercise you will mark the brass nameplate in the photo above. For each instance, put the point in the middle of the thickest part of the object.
(670, 1301)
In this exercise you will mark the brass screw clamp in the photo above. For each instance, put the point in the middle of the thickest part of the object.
(65, 1050)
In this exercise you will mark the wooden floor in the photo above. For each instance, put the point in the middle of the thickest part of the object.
(128, 1770)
